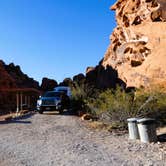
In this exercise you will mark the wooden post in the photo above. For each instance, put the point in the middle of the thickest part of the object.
(17, 98)
(21, 100)
(28, 101)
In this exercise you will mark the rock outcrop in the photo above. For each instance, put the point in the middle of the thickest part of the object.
(11, 76)
(79, 79)
(48, 84)
(21, 80)
(6, 81)
(102, 78)
(137, 50)
(66, 82)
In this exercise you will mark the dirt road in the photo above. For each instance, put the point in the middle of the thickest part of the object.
(63, 140)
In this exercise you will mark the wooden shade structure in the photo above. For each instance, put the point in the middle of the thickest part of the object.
(23, 94)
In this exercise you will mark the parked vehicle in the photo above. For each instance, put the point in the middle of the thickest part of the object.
(65, 89)
(53, 100)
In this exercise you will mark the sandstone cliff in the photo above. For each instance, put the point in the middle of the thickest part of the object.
(138, 43)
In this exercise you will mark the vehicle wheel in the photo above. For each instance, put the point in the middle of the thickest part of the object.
(40, 112)
(61, 111)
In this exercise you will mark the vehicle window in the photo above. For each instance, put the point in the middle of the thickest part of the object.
(62, 90)
(51, 94)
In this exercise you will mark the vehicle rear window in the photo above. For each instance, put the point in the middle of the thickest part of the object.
(51, 94)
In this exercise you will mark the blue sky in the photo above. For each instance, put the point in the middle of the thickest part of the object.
(55, 38)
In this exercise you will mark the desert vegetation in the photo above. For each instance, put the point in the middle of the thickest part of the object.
(114, 106)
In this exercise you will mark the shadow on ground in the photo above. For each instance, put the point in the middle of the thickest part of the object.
(20, 120)
(15, 121)
(26, 116)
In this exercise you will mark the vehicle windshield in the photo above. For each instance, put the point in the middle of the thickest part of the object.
(51, 94)
(62, 90)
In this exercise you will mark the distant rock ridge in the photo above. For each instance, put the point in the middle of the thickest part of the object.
(11, 76)
(48, 84)
(6, 81)
(138, 43)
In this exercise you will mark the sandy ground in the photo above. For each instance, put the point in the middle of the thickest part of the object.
(64, 140)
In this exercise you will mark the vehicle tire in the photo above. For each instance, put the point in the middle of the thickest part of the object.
(40, 112)
(61, 111)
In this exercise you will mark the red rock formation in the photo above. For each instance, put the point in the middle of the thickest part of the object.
(6, 81)
(102, 77)
(48, 84)
(137, 50)
(79, 79)
(66, 82)
(21, 79)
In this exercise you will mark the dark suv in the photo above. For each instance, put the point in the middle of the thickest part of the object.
(52, 100)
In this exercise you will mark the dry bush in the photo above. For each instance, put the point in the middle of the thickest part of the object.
(115, 106)
(81, 94)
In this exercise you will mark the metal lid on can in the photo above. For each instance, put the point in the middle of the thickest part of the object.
(146, 121)
(132, 120)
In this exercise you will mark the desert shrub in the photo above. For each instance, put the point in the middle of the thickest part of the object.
(116, 106)
(151, 103)
(112, 105)
(81, 94)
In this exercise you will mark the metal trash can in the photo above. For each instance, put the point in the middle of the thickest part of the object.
(133, 128)
(147, 130)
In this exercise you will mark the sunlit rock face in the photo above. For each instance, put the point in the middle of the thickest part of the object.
(138, 43)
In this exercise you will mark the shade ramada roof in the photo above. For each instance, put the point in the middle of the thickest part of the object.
(31, 91)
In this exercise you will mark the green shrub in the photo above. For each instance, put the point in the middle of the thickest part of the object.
(118, 105)
(81, 94)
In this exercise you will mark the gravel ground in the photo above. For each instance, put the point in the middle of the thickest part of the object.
(64, 140)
